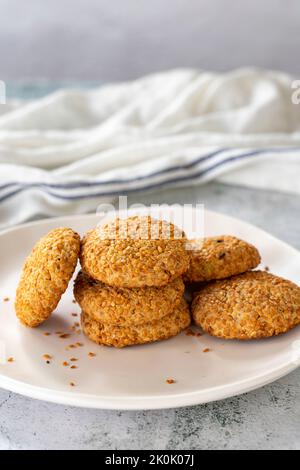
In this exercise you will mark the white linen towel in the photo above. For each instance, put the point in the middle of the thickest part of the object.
(70, 151)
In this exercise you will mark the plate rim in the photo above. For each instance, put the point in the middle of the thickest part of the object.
(150, 402)
(147, 402)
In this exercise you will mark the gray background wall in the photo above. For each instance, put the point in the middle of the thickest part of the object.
(111, 39)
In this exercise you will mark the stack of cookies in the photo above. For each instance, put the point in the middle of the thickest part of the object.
(130, 288)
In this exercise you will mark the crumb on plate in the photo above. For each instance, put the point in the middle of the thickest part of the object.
(190, 332)
(47, 356)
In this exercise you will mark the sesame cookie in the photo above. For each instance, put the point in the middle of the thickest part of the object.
(136, 252)
(120, 336)
(220, 257)
(46, 274)
(252, 305)
(123, 306)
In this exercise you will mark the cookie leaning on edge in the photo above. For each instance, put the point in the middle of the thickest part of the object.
(135, 252)
(220, 257)
(46, 274)
(121, 336)
(252, 305)
(123, 306)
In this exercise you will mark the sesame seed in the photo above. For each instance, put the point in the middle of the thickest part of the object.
(170, 381)
(47, 356)
(190, 332)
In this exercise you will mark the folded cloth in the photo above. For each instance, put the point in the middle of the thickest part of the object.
(72, 150)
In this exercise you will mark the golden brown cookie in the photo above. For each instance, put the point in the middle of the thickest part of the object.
(123, 306)
(135, 252)
(252, 305)
(120, 336)
(46, 274)
(220, 257)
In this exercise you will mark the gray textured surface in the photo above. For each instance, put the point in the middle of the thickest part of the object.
(268, 418)
(92, 39)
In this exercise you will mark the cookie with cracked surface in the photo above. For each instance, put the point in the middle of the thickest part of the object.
(135, 252)
(220, 257)
(120, 336)
(252, 305)
(123, 306)
(46, 274)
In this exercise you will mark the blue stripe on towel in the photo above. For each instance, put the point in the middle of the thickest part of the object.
(191, 177)
(83, 184)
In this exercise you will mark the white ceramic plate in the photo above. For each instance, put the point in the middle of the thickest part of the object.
(135, 377)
